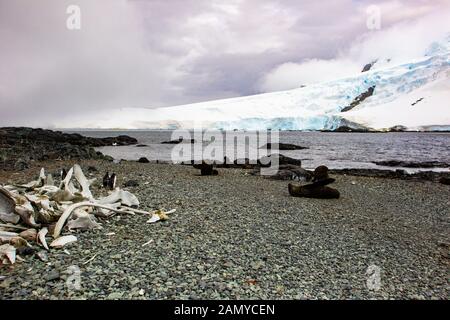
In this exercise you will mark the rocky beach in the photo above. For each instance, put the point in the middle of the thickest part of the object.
(237, 235)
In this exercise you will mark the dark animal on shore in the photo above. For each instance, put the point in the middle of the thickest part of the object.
(106, 178)
(63, 174)
(112, 182)
(206, 169)
(313, 191)
(316, 189)
(320, 176)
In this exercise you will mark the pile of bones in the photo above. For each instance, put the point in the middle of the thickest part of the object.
(31, 212)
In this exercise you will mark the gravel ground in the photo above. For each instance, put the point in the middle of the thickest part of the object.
(236, 236)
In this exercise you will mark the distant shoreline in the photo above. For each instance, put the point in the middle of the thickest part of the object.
(244, 130)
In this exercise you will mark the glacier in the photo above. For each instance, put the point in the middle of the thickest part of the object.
(414, 94)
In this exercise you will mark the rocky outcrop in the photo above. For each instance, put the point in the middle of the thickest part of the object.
(285, 172)
(397, 174)
(368, 66)
(282, 146)
(206, 169)
(411, 164)
(143, 160)
(179, 141)
(359, 99)
(282, 160)
(19, 146)
(349, 129)
(12, 135)
(398, 128)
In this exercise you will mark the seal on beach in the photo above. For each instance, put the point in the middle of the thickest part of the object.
(206, 169)
(320, 176)
(316, 189)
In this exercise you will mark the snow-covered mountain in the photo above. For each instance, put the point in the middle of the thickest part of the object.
(415, 95)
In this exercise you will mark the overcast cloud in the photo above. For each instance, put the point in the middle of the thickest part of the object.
(153, 53)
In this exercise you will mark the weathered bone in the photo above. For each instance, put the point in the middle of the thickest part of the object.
(29, 234)
(42, 177)
(10, 226)
(5, 236)
(84, 183)
(160, 215)
(7, 205)
(83, 220)
(18, 242)
(9, 252)
(65, 183)
(62, 241)
(48, 190)
(68, 212)
(27, 215)
(124, 197)
(41, 236)
(50, 181)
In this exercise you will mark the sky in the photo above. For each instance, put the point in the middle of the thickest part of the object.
(157, 53)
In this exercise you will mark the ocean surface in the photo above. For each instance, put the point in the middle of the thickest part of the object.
(335, 150)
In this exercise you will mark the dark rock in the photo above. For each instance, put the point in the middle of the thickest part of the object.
(445, 180)
(416, 102)
(397, 174)
(131, 184)
(349, 129)
(256, 164)
(141, 145)
(398, 128)
(21, 165)
(180, 140)
(21, 145)
(206, 169)
(25, 251)
(410, 164)
(282, 160)
(368, 66)
(143, 160)
(282, 146)
(286, 172)
(359, 99)
(52, 275)
(92, 169)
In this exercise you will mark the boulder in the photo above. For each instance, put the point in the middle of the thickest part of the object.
(131, 184)
(282, 146)
(206, 169)
(411, 164)
(143, 160)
